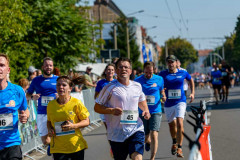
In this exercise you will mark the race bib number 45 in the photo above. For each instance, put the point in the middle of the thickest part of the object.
(6, 121)
(129, 117)
(45, 100)
(174, 93)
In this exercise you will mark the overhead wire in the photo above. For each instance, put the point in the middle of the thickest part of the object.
(172, 16)
(182, 17)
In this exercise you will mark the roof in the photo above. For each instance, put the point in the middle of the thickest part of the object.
(205, 52)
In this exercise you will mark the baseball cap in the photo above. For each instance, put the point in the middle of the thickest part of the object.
(70, 70)
(171, 58)
(89, 68)
(32, 69)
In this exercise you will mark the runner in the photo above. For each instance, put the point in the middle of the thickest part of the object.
(152, 86)
(216, 82)
(119, 102)
(226, 71)
(66, 115)
(45, 88)
(175, 105)
(13, 107)
(108, 73)
(185, 83)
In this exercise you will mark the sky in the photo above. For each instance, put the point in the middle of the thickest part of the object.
(204, 23)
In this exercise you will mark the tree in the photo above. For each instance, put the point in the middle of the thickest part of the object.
(236, 50)
(61, 31)
(122, 41)
(14, 25)
(182, 49)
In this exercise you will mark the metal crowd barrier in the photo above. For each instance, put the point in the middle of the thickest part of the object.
(29, 132)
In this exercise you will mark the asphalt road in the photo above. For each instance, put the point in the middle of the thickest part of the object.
(223, 118)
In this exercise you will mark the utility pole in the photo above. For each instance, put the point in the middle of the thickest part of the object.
(115, 36)
(223, 54)
(166, 49)
(127, 32)
(100, 18)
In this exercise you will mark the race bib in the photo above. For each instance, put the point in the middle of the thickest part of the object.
(174, 94)
(129, 117)
(216, 80)
(59, 131)
(6, 121)
(45, 100)
(150, 100)
(224, 73)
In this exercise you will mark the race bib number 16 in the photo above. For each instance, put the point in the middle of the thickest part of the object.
(6, 121)
(129, 117)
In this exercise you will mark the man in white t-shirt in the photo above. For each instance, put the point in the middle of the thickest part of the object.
(119, 101)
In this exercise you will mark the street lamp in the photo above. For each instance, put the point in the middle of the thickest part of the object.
(127, 32)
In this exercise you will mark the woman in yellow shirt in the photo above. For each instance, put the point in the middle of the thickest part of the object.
(66, 115)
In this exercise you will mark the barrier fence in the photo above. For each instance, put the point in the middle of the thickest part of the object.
(29, 132)
(201, 146)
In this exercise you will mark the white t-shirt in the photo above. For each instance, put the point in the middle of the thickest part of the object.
(115, 95)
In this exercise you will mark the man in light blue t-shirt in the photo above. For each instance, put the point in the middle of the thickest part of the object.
(152, 86)
(13, 106)
(175, 105)
(44, 87)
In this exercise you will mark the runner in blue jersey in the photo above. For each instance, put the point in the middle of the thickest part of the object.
(13, 107)
(175, 105)
(152, 86)
(109, 72)
(45, 88)
(216, 82)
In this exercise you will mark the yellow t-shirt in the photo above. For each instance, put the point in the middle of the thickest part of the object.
(73, 111)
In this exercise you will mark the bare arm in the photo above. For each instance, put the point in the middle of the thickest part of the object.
(192, 86)
(69, 125)
(50, 129)
(23, 116)
(96, 95)
(143, 106)
(164, 98)
(32, 96)
(106, 110)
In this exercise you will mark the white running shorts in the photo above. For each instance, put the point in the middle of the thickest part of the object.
(175, 111)
(42, 124)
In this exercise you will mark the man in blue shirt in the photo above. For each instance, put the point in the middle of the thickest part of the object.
(216, 81)
(45, 88)
(152, 86)
(175, 105)
(13, 106)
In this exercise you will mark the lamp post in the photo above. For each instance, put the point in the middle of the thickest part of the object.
(127, 31)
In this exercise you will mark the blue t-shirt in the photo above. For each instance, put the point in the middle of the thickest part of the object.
(12, 99)
(101, 84)
(173, 82)
(152, 89)
(46, 87)
(216, 75)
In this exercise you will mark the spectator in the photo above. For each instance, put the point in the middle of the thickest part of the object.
(88, 78)
(32, 73)
(24, 83)
(56, 71)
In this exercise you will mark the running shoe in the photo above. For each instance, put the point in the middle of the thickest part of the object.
(226, 100)
(180, 153)
(111, 153)
(48, 151)
(147, 147)
(174, 149)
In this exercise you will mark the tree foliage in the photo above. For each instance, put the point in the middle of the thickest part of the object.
(33, 29)
(182, 49)
(121, 24)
